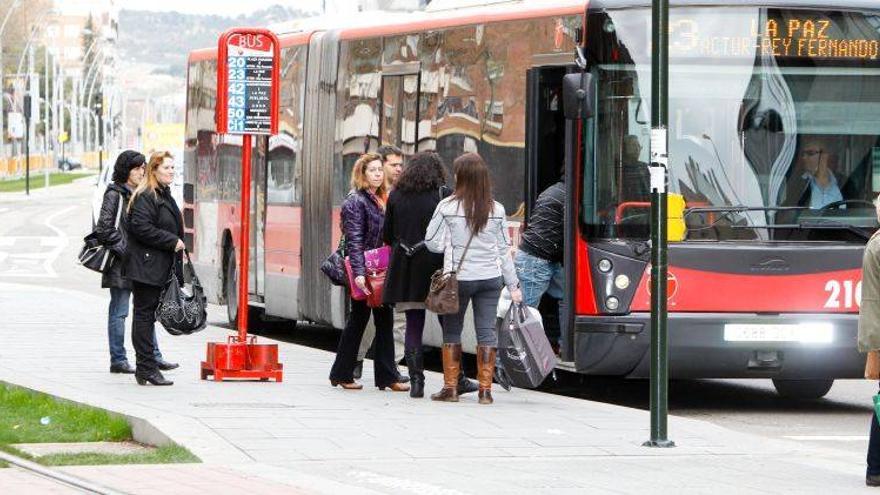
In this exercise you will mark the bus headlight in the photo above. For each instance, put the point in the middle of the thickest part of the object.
(612, 303)
(605, 265)
(621, 281)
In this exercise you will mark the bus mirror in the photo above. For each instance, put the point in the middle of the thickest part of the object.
(577, 95)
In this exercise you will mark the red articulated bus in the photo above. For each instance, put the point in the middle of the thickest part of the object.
(774, 151)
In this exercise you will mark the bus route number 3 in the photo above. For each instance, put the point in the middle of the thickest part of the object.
(845, 294)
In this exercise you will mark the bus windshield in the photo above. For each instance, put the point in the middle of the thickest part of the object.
(774, 122)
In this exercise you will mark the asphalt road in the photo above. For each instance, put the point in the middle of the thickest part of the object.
(41, 235)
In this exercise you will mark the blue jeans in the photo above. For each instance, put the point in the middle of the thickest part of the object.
(538, 276)
(118, 312)
(485, 294)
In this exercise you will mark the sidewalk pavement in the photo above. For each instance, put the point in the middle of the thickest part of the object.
(302, 436)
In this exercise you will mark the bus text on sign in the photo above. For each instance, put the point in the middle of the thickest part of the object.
(246, 83)
(785, 34)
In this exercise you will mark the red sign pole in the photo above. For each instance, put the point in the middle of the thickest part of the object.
(247, 76)
(244, 238)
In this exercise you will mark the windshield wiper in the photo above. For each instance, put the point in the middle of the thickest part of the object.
(806, 225)
(811, 225)
(739, 208)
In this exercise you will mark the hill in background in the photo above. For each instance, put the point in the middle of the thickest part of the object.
(163, 39)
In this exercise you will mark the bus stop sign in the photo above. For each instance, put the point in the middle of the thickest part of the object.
(247, 82)
(247, 104)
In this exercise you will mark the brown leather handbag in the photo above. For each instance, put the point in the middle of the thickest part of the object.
(443, 294)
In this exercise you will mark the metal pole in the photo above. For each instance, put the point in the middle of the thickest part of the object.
(100, 140)
(2, 97)
(244, 238)
(659, 155)
(47, 161)
(27, 144)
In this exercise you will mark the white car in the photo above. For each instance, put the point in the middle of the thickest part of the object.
(106, 176)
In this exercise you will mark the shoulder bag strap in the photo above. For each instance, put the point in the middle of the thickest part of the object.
(461, 261)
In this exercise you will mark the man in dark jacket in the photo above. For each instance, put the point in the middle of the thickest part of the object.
(539, 258)
(110, 230)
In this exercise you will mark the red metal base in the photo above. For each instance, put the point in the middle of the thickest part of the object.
(236, 359)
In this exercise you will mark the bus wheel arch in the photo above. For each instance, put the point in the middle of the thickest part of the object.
(803, 389)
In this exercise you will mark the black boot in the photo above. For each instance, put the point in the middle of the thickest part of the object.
(415, 363)
(165, 365)
(466, 386)
(154, 378)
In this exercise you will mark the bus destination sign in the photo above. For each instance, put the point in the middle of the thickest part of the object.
(789, 35)
(248, 77)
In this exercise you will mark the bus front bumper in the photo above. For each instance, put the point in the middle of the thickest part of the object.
(700, 348)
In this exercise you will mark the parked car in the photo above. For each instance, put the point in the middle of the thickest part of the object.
(106, 176)
(69, 163)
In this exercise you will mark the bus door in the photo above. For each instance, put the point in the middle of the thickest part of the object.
(400, 107)
(545, 162)
(257, 269)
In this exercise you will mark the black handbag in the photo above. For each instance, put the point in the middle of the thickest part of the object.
(183, 311)
(96, 256)
(334, 266)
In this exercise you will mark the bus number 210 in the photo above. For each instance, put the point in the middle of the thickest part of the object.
(843, 294)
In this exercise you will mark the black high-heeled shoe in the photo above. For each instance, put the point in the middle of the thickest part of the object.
(154, 378)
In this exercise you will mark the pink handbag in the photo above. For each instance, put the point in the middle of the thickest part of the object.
(376, 261)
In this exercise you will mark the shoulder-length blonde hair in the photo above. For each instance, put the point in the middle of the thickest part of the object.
(359, 180)
(150, 183)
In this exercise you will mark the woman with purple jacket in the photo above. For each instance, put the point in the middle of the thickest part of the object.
(363, 218)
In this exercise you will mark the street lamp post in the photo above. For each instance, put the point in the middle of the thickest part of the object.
(99, 111)
(659, 271)
(2, 88)
(27, 146)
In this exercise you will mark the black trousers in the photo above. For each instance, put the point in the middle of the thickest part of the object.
(384, 370)
(145, 301)
(874, 447)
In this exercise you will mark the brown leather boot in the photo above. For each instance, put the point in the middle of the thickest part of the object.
(485, 370)
(451, 369)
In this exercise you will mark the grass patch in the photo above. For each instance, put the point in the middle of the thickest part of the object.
(20, 414)
(170, 454)
(38, 181)
(21, 411)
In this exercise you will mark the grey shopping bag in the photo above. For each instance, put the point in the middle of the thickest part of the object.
(523, 347)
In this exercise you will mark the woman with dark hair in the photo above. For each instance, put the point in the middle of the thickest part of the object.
(127, 175)
(410, 207)
(470, 229)
(363, 216)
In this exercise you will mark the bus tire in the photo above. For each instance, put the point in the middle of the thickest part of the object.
(802, 389)
(231, 287)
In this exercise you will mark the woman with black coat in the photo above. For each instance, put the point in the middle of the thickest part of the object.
(110, 232)
(155, 241)
(409, 210)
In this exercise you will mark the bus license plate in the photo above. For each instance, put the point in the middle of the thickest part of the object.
(797, 332)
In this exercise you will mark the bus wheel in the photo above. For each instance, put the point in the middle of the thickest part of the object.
(802, 389)
(231, 288)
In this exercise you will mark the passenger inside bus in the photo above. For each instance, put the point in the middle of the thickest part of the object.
(813, 182)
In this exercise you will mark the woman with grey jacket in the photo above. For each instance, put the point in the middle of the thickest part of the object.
(472, 226)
